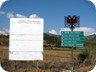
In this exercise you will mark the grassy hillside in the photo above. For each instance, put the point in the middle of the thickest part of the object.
(50, 40)
(4, 40)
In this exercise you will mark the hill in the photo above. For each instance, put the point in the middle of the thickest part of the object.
(4, 40)
(50, 40)
(91, 37)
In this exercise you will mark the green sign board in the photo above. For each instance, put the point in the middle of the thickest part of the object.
(72, 38)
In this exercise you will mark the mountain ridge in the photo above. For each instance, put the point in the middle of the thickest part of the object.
(49, 40)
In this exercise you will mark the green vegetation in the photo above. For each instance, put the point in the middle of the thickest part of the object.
(89, 53)
(4, 40)
(52, 40)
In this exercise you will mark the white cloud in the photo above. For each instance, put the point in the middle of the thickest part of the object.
(53, 32)
(2, 12)
(10, 15)
(4, 31)
(33, 16)
(20, 16)
(87, 31)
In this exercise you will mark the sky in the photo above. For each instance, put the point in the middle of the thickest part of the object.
(53, 12)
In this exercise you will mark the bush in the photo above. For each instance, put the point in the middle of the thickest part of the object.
(88, 55)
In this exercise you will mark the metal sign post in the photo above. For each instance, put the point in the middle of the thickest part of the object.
(37, 69)
(71, 38)
(72, 23)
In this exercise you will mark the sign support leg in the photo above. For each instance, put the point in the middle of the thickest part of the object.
(37, 66)
(72, 57)
(14, 66)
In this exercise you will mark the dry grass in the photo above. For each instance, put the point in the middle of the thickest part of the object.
(58, 56)
(86, 68)
(54, 61)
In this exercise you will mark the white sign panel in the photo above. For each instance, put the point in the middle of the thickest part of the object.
(21, 55)
(26, 39)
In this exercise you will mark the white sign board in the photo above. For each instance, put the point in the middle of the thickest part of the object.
(26, 39)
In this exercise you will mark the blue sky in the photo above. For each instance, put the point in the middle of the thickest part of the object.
(53, 12)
